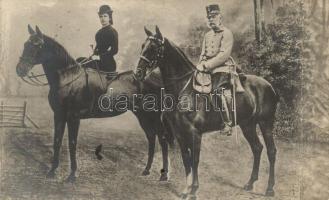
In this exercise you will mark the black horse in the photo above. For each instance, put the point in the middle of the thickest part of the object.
(257, 105)
(74, 94)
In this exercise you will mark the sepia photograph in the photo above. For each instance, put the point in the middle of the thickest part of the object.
(164, 99)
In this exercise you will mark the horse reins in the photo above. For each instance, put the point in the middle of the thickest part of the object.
(160, 55)
(35, 81)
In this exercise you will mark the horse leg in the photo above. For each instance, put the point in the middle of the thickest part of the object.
(266, 128)
(249, 132)
(187, 162)
(151, 140)
(59, 123)
(145, 120)
(73, 129)
(164, 149)
(195, 155)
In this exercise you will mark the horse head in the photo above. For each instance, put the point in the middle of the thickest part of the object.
(151, 54)
(32, 52)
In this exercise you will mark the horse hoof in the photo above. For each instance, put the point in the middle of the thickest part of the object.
(248, 187)
(184, 196)
(163, 177)
(188, 197)
(146, 172)
(269, 193)
(192, 197)
(51, 174)
(70, 179)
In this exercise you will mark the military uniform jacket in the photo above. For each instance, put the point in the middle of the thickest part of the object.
(216, 49)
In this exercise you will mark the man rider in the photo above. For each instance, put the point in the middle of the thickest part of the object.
(215, 57)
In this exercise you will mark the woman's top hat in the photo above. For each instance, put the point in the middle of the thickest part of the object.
(105, 9)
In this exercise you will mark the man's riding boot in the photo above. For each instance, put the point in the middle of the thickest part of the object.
(226, 117)
(227, 130)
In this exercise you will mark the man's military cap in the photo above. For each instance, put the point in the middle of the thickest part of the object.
(212, 9)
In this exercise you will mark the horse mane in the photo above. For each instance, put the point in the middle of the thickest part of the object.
(72, 69)
(181, 53)
(59, 50)
(69, 66)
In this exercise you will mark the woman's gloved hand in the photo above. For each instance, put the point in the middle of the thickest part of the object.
(96, 52)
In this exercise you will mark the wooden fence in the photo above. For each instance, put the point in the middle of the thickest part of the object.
(14, 116)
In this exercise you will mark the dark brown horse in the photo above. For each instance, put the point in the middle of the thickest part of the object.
(74, 94)
(190, 118)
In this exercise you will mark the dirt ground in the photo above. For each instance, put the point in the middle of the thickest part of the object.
(301, 169)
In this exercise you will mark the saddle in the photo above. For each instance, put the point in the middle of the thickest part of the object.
(202, 82)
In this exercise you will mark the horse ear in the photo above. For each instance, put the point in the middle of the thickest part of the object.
(158, 33)
(31, 31)
(148, 33)
(38, 31)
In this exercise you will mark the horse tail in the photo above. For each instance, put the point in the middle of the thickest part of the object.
(276, 94)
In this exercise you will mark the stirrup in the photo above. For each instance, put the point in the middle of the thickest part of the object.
(227, 129)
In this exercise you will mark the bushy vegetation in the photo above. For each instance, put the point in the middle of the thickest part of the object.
(279, 58)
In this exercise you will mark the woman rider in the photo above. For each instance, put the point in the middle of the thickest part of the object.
(106, 40)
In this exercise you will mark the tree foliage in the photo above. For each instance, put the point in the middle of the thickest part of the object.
(278, 57)
(292, 55)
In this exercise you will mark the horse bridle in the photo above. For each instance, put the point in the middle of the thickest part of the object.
(29, 60)
(32, 79)
(152, 64)
(160, 54)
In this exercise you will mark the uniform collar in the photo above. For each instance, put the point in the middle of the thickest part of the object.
(219, 29)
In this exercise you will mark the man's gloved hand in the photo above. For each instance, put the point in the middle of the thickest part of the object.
(200, 67)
